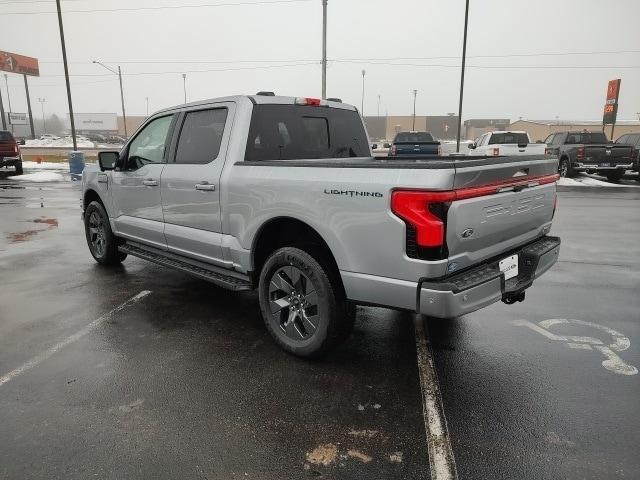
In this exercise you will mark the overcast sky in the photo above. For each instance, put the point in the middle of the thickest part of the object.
(402, 45)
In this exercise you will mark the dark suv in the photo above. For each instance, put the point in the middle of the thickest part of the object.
(633, 140)
(10, 152)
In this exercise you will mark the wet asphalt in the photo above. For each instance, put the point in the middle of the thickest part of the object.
(186, 383)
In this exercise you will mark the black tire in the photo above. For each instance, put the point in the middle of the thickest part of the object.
(103, 244)
(301, 306)
(615, 175)
(564, 168)
(19, 170)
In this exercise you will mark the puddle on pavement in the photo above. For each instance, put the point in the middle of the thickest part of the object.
(17, 237)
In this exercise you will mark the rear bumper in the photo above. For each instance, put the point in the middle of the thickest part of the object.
(9, 161)
(583, 167)
(483, 285)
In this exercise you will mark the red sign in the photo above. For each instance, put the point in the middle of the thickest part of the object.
(14, 63)
(611, 105)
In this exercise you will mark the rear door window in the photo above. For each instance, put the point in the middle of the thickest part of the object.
(509, 138)
(201, 136)
(413, 137)
(297, 132)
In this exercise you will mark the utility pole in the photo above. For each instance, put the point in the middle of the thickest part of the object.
(44, 122)
(184, 86)
(66, 77)
(26, 89)
(6, 82)
(464, 59)
(415, 95)
(378, 104)
(4, 120)
(324, 49)
(362, 104)
(119, 73)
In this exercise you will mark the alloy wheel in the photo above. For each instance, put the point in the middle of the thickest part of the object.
(97, 236)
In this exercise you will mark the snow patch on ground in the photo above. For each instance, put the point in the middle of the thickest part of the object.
(46, 166)
(61, 142)
(39, 177)
(585, 180)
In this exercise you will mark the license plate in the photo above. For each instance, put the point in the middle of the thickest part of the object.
(509, 266)
(605, 164)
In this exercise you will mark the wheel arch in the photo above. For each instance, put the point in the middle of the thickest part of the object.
(285, 231)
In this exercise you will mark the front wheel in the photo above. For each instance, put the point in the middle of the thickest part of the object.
(300, 305)
(102, 243)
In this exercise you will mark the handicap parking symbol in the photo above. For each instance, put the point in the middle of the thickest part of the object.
(612, 361)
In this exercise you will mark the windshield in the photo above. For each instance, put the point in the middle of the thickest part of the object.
(508, 138)
(6, 136)
(413, 137)
(586, 138)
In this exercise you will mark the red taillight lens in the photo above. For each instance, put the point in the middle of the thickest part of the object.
(393, 150)
(414, 207)
(16, 149)
(580, 153)
(309, 101)
(496, 152)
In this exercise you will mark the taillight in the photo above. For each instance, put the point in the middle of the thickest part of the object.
(16, 149)
(547, 151)
(496, 151)
(580, 153)
(417, 209)
(394, 150)
(439, 149)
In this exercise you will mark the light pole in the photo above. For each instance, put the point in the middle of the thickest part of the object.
(362, 104)
(415, 94)
(6, 82)
(44, 122)
(464, 59)
(119, 73)
(324, 49)
(184, 86)
(378, 104)
(66, 77)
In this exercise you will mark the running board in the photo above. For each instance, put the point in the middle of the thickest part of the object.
(220, 276)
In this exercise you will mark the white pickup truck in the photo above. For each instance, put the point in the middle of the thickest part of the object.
(506, 143)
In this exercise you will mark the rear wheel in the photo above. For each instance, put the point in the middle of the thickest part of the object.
(564, 168)
(301, 307)
(615, 175)
(19, 170)
(103, 244)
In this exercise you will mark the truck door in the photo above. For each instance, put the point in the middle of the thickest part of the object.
(136, 183)
(190, 182)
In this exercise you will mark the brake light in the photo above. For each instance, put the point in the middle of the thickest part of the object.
(310, 101)
(580, 153)
(394, 150)
(419, 208)
(16, 149)
(496, 151)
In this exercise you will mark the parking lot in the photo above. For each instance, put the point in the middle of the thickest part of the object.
(143, 372)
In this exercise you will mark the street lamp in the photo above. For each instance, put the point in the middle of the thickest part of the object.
(415, 94)
(362, 105)
(464, 61)
(44, 122)
(378, 104)
(119, 73)
(184, 86)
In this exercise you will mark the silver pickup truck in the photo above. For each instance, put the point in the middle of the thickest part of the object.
(282, 194)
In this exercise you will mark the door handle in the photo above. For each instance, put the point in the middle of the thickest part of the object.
(150, 182)
(205, 187)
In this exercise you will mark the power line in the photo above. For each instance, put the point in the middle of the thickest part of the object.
(164, 7)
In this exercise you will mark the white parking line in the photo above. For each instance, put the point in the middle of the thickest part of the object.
(76, 336)
(441, 461)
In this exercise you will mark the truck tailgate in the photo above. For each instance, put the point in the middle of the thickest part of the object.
(607, 156)
(518, 210)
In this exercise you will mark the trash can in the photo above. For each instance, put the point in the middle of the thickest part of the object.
(76, 164)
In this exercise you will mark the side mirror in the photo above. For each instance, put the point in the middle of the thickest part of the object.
(107, 160)
(374, 146)
(386, 145)
(472, 146)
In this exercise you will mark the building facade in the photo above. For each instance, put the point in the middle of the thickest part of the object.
(539, 130)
